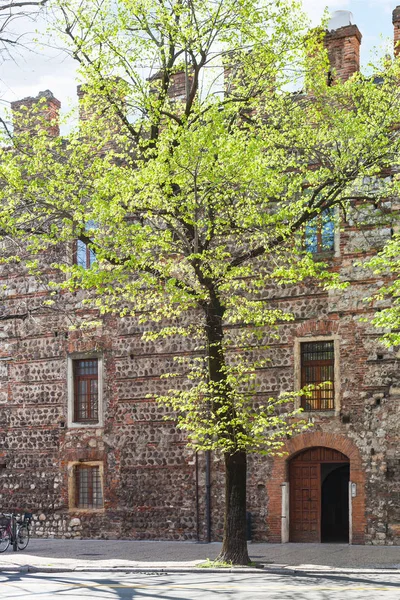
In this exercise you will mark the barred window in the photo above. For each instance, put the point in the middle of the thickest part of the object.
(317, 367)
(320, 233)
(88, 487)
(86, 390)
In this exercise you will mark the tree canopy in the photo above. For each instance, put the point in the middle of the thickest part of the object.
(10, 12)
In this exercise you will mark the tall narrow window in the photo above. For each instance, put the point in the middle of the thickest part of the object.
(86, 390)
(88, 487)
(318, 367)
(83, 255)
(320, 233)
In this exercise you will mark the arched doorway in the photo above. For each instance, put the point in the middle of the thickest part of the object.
(319, 497)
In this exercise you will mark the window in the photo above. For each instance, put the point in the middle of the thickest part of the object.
(83, 255)
(317, 367)
(85, 485)
(86, 390)
(320, 233)
(88, 486)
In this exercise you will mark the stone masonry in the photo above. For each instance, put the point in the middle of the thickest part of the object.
(154, 486)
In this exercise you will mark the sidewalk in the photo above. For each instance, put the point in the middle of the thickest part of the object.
(51, 555)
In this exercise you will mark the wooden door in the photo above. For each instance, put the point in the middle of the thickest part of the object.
(305, 492)
(305, 502)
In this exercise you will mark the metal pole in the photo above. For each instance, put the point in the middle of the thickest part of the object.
(14, 532)
(208, 496)
(197, 498)
(208, 459)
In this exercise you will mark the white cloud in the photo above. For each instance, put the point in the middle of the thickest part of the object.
(315, 8)
(386, 6)
(35, 67)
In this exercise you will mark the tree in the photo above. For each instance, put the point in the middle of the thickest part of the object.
(199, 171)
(10, 11)
(387, 264)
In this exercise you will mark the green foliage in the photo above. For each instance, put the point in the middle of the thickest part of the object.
(387, 264)
(200, 201)
(226, 415)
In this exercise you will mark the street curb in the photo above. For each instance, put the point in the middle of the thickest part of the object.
(184, 570)
(329, 572)
(83, 569)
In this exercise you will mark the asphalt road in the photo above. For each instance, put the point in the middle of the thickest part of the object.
(204, 586)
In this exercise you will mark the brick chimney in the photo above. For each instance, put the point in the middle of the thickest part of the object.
(177, 88)
(231, 70)
(179, 81)
(91, 106)
(396, 26)
(342, 41)
(40, 112)
(84, 113)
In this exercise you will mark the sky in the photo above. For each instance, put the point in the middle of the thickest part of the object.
(45, 68)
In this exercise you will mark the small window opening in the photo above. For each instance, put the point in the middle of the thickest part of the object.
(86, 390)
(88, 487)
(317, 368)
(320, 233)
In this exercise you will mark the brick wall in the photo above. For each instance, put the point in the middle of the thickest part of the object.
(149, 473)
(154, 486)
(343, 47)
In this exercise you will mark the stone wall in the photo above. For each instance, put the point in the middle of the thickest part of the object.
(150, 482)
(153, 488)
(154, 485)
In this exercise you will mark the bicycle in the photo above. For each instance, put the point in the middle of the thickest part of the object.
(21, 529)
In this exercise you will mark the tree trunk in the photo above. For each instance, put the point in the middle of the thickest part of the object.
(234, 546)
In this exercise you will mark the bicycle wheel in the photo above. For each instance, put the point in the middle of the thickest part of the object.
(4, 540)
(22, 537)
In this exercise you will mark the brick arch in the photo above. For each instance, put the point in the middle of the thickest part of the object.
(318, 327)
(279, 476)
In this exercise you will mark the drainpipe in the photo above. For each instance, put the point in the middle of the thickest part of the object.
(197, 497)
(208, 459)
(208, 496)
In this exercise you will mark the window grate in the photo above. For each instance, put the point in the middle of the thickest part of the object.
(88, 488)
(86, 391)
(317, 367)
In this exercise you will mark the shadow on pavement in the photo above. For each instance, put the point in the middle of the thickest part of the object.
(152, 586)
(108, 589)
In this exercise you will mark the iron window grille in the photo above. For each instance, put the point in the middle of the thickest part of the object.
(86, 390)
(318, 367)
(88, 487)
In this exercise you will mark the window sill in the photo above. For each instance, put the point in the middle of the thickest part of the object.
(78, 425)
(328, 255)
(85, 511)
(320, 413)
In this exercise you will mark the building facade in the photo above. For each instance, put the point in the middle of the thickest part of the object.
(86, 449)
